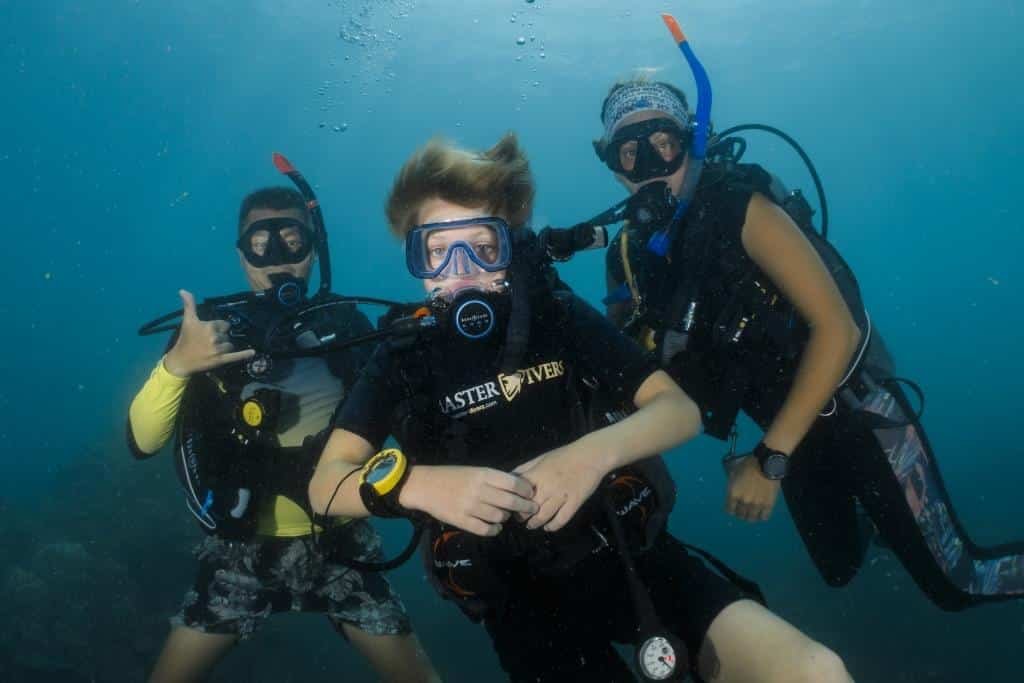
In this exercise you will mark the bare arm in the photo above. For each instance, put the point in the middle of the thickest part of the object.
(565, 477)
(477, 499)
(344, 453)
(778, 247)
(666, 417)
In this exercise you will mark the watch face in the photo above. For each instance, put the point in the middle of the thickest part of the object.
(775, 466)
(381, 469)
(657, 659)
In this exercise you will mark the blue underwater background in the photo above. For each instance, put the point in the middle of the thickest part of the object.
(130, 130)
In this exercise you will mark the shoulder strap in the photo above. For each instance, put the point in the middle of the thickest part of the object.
(695, 260)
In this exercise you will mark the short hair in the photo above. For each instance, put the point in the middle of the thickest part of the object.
(498, 180)
(276, 198)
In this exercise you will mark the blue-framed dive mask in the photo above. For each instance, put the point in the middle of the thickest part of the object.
(459, 248)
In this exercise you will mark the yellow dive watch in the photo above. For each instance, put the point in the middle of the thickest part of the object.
(381, 481)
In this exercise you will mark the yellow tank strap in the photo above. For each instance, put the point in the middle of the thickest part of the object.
(646, 334)
(628, 269)
(646, 339)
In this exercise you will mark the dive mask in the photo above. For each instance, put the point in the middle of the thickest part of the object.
(276, 242)
(645, 150)
(458, 249)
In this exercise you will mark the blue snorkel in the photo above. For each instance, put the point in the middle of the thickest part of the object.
(661, 241)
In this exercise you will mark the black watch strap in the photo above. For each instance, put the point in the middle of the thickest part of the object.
(774, 464)
(386, 505)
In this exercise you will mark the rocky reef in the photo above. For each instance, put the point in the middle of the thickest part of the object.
(90, 571)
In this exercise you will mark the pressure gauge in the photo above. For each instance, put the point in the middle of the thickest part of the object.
(657, 659)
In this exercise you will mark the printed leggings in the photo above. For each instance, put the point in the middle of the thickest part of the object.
(874, 451)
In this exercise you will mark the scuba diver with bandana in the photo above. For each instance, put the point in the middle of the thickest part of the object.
(720, 272)
(545, 524)
(248, 427)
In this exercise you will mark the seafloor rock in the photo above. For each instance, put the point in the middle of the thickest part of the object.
(67, 609)
(104, 562)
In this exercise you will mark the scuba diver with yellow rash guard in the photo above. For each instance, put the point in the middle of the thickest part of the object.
(247, 428)
(537, 521)
(720, 271)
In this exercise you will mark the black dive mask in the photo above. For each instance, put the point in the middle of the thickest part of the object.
(472, 313)
(276, 242)
(645, 150)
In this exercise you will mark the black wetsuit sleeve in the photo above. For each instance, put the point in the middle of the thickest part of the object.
(601, 351)
(367, 410)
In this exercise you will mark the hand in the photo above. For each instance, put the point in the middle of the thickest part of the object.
(563, 479)
(475, 499)
(202, 345)
(749, 494)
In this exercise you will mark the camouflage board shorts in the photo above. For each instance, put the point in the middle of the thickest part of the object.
(240, 584)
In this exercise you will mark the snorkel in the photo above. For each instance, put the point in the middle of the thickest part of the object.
(648, 207)
(313, 205)
(286, 291)
(661, 241)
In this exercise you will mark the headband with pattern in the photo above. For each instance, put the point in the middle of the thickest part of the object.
(632, 98)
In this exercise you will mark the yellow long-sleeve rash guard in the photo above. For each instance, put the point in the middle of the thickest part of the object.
(152, 416)
(155, 408)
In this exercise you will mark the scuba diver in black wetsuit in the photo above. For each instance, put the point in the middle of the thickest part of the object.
(545, 526)
(247, 388)
(720, 271)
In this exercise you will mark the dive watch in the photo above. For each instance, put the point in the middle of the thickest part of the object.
(381, 481)
(774, 464)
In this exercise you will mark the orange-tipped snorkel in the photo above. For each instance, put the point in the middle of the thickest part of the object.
(661, 241)
(285, 167)
(282, 164)
(673, 28)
